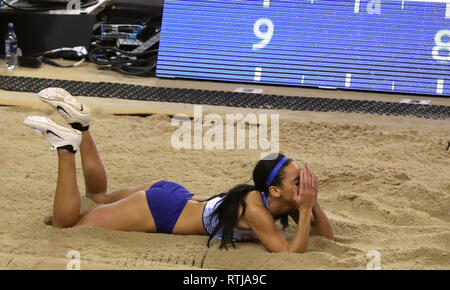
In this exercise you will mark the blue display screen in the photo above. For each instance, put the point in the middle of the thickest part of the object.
(376, 45)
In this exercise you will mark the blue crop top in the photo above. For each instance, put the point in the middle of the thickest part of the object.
(210, 224)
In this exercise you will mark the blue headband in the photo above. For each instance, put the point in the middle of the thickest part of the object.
(275, 171)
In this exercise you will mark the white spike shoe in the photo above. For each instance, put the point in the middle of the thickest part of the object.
(75, 113)
(58, 136)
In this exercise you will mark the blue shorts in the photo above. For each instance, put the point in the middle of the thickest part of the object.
(166, 201)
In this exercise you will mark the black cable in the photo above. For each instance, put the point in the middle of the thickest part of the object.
(49, 57)
(138, 71)
(115, 49)
(107, 54)
(133, 68)
(54, 63)
(122, 61)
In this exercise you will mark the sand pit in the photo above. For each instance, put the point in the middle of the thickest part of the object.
(384, 188)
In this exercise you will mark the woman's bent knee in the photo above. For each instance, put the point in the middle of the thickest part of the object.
(98, 198)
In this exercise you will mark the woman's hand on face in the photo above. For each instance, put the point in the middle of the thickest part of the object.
(315, 181)
(307, 193)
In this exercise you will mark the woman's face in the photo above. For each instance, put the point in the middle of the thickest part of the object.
(290, 183)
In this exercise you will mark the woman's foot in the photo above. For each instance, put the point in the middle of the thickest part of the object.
(75, 113)
(58, 136)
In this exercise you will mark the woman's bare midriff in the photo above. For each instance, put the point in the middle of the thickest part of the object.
(190, 221)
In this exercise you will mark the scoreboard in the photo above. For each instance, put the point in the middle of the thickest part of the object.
(377, 45)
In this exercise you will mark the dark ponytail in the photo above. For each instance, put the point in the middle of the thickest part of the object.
(227, 211)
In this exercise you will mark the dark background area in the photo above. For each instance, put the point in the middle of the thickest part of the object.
(39, 31)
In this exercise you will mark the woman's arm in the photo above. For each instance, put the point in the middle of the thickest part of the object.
(305, 200)
(322, 225)
(301, 238)
(262, 223)
(295, 215)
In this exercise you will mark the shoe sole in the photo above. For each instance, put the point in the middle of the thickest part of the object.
(69, 100)
(46, 127)
(63, 104)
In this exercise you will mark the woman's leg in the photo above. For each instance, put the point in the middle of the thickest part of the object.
(93, 171)
(111, 197)
(67, 204)
(79, 117)
(128, 214)
(95, 175)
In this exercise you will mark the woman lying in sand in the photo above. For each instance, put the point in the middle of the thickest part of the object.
(244, 213)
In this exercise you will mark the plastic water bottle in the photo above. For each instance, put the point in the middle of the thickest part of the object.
(11, 58)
